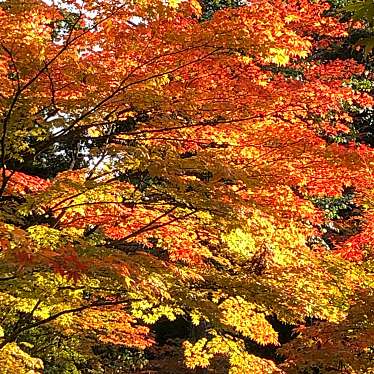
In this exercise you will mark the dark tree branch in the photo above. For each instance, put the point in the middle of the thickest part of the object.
(21, 329)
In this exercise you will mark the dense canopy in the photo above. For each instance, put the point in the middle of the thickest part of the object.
(157, 162)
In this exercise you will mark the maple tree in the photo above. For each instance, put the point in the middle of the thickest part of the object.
(154, 164)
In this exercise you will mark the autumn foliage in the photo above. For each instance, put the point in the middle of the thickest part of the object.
(156, 164)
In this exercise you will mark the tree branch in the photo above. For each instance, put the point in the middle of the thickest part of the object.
(13, 337)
